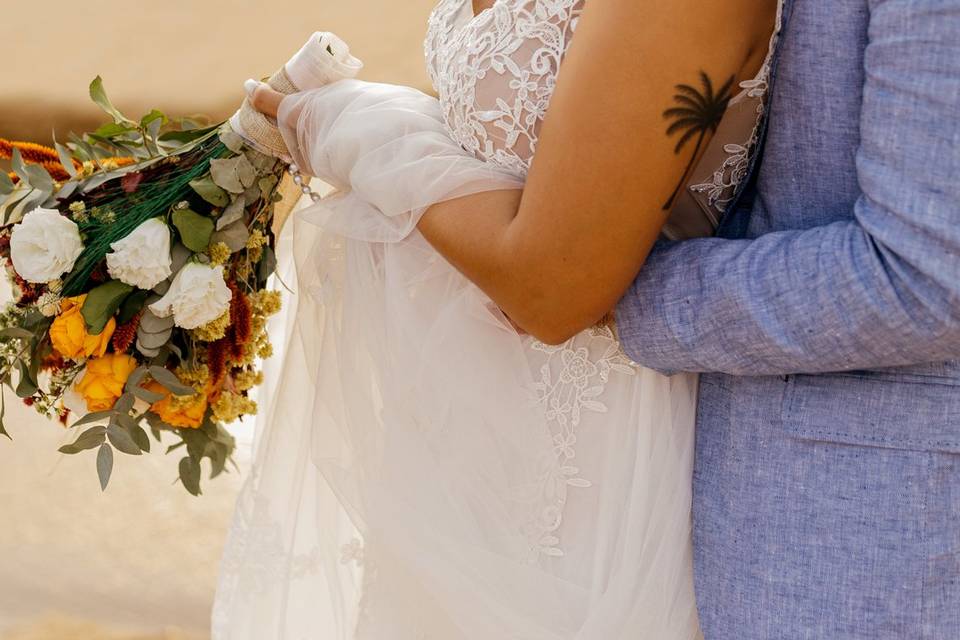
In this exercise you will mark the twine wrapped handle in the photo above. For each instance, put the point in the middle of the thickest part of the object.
(323, 59)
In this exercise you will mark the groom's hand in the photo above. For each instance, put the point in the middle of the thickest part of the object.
(263, 97)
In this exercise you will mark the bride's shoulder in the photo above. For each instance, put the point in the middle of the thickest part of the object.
(683, 27)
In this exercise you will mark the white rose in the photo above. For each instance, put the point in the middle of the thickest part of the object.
(44, 246)
(197, 296)
(142, 259)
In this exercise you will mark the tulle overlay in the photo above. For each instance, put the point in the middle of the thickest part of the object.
(422, 471)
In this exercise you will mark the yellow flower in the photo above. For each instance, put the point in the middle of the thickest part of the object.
(213, 330)
(179, 411)
(228, 407)
(103, 381)
(69, 332)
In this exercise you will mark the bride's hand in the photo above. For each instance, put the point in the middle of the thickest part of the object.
(263, 97)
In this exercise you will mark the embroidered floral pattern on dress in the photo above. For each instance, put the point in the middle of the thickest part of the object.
(496, 72)
(721, 189)
(572, 381)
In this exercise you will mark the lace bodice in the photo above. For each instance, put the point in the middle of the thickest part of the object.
(495, 72)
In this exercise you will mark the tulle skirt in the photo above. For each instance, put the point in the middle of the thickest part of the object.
(424, 472)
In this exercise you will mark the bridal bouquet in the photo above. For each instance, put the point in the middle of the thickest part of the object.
(139, 256)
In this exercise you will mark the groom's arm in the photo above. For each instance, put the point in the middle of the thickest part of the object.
(881, 290)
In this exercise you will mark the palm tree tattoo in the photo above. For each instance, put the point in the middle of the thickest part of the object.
(696, 114)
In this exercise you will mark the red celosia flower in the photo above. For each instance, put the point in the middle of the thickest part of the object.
(125, 334)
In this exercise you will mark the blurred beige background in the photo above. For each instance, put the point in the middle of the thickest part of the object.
(181, 56)
(139, 562)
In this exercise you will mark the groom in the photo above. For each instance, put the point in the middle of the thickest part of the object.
(827, 323)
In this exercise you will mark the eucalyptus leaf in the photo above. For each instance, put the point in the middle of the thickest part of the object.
(40, 178)
(218, 459)
(107, 176)
(19, 166)
(90, 418)
(233, 174)
(190, 475)
(186, 136)
(66, 159)
(6, 184)
(89, 439)
(101, 303)
(147, 351)
(112, 129)
(146, 395)
(122, 440)
(140, 438)
(3, 413)
(28, 382)
(268, 264)
(197, 442)
(233, 235)
(11, 202)
(124, 404)
(233, 212)
(210, 192)
(195, 229)
(16, 332)
(104, 465)
(153, 116)
(171, 382)
(134, 379)
(154, 341)
(152, 323)
(132, 305)
(67, 189)
(231, 139)
(32, 200)
(252, 194)
(262, 162)
(99, 95)
(179, 256)
(267, 183)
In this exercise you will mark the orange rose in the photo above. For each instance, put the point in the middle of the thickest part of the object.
(179, 411)
(69, 336)
(103, 381)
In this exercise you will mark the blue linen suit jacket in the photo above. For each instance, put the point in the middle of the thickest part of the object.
(826, 321)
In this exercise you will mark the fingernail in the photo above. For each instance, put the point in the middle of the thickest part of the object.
(250, 86)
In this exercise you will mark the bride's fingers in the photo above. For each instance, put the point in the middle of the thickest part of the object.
(263, 98)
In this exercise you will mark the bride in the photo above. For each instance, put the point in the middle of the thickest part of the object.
(456, 448)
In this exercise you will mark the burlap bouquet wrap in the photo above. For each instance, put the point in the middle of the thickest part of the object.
(323, 59)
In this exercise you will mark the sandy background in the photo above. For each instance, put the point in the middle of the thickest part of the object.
(140, 562)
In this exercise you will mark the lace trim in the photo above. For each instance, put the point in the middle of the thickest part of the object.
(572, 381)
(722, 186)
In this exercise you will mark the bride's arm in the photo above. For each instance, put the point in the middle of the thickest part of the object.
(557, 256)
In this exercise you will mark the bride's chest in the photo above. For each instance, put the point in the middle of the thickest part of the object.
(494, 66)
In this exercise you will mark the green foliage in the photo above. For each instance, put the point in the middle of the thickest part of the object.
(104, 465)
(195, 229)
(210, 192)
(99, 96)
(102, 303)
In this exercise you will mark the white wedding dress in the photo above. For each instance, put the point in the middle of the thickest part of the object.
(423, 472)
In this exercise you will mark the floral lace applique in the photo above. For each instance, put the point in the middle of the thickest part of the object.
(572, 381)
(721, 189)
(496, 72)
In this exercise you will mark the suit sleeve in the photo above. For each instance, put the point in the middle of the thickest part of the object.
(879, 290)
